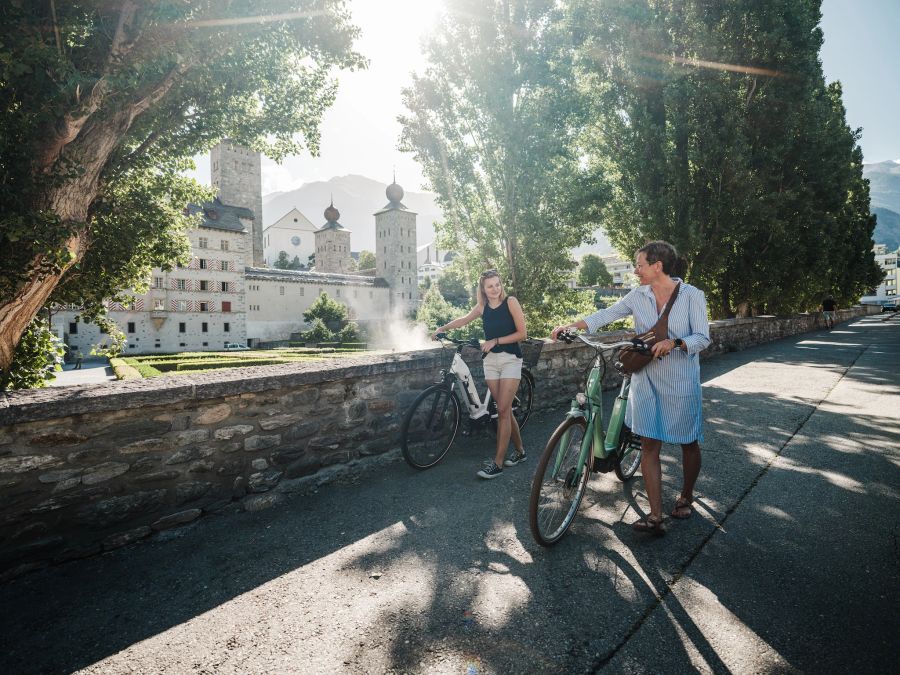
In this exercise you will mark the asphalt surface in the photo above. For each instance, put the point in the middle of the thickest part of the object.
(790, 563)
(92, 371)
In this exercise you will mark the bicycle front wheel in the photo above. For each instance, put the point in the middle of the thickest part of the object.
(559, 483)
(430, 427)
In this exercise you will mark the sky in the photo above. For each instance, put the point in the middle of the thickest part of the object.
(862, 50)
(360, 132)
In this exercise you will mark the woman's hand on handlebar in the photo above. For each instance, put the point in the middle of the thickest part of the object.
(568, 328)
(439, 332)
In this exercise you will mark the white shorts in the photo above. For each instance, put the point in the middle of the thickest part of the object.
(502, 366)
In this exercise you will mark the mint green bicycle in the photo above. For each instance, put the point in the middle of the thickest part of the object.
(580, 446)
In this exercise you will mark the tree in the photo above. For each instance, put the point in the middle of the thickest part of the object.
(454, 285)
(434, 311)
(725, 140)
(498, 136)
(366, 260)
(333, 313)
(103, 105)
(593, 272)
(282, 263)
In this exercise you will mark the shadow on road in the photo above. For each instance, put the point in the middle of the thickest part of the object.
(408, 570)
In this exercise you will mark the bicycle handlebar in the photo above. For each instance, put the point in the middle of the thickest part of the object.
(569, 337)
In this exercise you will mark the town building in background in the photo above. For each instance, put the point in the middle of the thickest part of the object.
(886, 292)
(231, 291)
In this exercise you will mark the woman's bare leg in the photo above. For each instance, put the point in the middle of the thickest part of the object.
(504, 391)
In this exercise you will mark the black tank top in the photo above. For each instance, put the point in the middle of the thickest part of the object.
(498, 323)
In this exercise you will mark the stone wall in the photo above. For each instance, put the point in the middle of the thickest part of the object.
(88, 469)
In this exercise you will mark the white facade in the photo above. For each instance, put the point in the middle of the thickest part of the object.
(194, 308)
(887, 289)
(276, 300)
(430, 270)
(294, 234)
(622, 271)
(430, 253)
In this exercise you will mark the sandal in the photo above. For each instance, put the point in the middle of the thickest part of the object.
(678, 511)
(650, 526)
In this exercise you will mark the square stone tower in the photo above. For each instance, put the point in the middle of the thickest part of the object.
(395, 250)
(237, 179)
(333, 245)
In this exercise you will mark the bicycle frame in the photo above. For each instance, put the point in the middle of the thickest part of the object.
(589, 406)
(462, 379)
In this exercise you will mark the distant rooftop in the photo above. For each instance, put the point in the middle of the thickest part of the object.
(303, 276)
(219, 216)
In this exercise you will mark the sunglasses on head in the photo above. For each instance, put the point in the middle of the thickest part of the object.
(490, 273)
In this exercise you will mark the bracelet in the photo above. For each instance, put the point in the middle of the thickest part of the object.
(496, 342)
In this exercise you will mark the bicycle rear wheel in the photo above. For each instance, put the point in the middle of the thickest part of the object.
(559, 483)
(628, 454)
(429, 427)
(524, 398)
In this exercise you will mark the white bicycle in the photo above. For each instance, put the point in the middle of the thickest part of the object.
(432, 421)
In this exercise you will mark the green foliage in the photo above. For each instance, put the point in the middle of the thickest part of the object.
(318, 332)
(285, 263)
(349, 333)
(328, 310)
(753, 173)
(39, 355)
(366, 260)
(434, 311)
(566, 306)
(454, 285)
(593, 272)
(103, 107)
(494, 125)
(124, 371)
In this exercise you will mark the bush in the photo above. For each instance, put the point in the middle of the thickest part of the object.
(349, 333)
(226, 363)
(123, 371)
(326, 310)
(318, 333)
(38, 356)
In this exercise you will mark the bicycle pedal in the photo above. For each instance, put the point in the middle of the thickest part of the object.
(604, 464)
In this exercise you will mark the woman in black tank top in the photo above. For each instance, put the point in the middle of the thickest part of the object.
(504, 327)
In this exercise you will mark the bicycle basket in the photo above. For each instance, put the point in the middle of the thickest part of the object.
(531, 351)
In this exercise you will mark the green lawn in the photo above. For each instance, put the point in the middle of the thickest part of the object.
(152, 365)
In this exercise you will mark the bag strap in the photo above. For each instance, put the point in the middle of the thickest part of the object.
(660, 330)
(671, 301)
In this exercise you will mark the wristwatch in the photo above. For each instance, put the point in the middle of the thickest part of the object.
(679, 343)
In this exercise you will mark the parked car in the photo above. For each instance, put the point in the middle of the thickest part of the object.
(892, 307)
(235, 347)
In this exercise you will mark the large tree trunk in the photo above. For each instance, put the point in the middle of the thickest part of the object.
(18, 311)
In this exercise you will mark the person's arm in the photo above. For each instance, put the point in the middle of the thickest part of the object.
(515, 309)
(699, 338)
(461, 321)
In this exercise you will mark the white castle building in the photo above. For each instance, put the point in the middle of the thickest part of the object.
(229, 293)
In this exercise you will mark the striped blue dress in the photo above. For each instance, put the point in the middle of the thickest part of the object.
(665, 402)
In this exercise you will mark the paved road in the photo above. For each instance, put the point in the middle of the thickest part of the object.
(790, 564)
(92, 371)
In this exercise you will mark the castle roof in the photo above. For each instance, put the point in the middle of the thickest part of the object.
(303, 276)
(219, 216)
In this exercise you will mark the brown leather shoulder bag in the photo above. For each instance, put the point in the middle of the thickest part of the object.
(632, 360)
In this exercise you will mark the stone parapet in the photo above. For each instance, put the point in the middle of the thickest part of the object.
(88, 469)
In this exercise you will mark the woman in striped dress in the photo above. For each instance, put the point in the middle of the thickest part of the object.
(664, 405)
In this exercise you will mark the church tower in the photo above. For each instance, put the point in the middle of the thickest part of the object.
(395, 250)
(333, 245)
(237, 180)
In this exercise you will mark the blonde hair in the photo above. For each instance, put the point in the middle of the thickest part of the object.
(482, 296)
